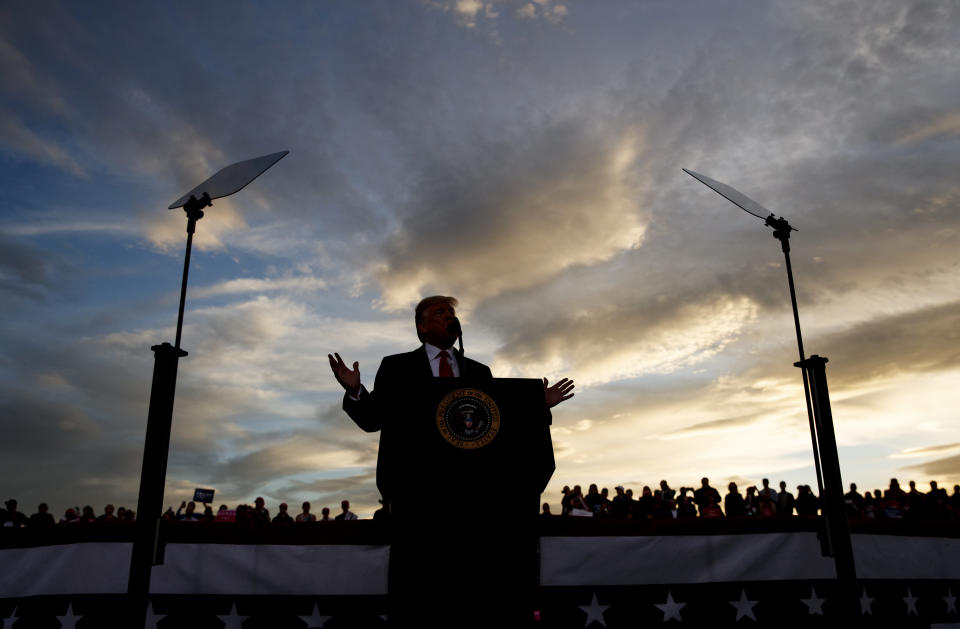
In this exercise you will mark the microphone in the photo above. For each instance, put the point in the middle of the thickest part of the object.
(454, 328)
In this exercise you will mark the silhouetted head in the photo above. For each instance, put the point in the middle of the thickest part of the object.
(306, 507)
(704, 482)
(345, 505)
(732, 487)
(433, 317)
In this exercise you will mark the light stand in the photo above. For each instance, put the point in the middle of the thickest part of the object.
(835, 540)
(147, 544)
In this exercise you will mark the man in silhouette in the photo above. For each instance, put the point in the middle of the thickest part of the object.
(428, 562)
(346, 513)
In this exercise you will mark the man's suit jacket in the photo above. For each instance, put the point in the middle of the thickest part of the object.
(400, 376)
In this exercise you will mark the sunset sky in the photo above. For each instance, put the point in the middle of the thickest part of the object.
(523, 156)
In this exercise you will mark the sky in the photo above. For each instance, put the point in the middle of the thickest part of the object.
(523, 156)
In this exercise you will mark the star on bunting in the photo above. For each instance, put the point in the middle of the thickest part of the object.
(315, 619)
(814, 604)
(12, 618)
(594, 611)
(949, 599)
(152, 619)
(68, 620)
(865, 603)
(234, 620)
(744, 606)
(670, 608)
(911, 602)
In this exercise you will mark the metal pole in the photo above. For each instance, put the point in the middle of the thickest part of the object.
(152, 477)
(832, 507)
(147, 544)
(782, 233)
(806, 383)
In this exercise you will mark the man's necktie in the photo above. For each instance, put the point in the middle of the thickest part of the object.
(446, 371)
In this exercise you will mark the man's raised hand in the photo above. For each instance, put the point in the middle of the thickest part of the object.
(348, 378)
(558, 392)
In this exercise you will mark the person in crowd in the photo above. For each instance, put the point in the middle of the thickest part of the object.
(670, 511)
(107, 516)
(604, 510)
(190, 514)
(767, 492)
(666, 494)
(955, 501)
(208, 514)
(686, 507)
(767, 507)
(565, 500)
(854, 502)
(87, 516)
(733, 502)
(914, 504)
(42, 518)
(169, 515)
(383, 513)
(12, 518)
(644, 507)
(346, 513)
(69, 517)
(618, 506)
(785, 501)
(305, 517)
(807, 504)
(700, 495)
(894, 499)
(593, 499)
(244, 515)
(282, 516)
(325, 514)
(577, 501)
(869, 506)
(630, 503)
(711, 509)
(545, 514)
(751, 503)
(935, 502)
(259, 513)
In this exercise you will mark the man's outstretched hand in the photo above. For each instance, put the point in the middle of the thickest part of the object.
(558, 392)
(348, 378)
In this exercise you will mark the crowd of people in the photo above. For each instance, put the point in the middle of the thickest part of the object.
(12, 517)
(706, 502)
(663, 503)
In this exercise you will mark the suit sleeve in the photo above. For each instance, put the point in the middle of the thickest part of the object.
(365, 411)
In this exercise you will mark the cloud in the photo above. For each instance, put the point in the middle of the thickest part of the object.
(910, 453)
(945, 468)
(18, 138)
(518, 214)
(260, 285)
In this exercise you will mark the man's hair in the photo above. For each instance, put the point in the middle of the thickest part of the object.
(425, 303)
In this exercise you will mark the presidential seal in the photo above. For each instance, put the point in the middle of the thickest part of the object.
(468, 418)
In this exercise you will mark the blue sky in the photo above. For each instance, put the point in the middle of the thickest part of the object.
(524, 156)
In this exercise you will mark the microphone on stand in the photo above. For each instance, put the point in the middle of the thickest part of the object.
(454, 328)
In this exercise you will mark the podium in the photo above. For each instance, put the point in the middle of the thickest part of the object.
(463, 464)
